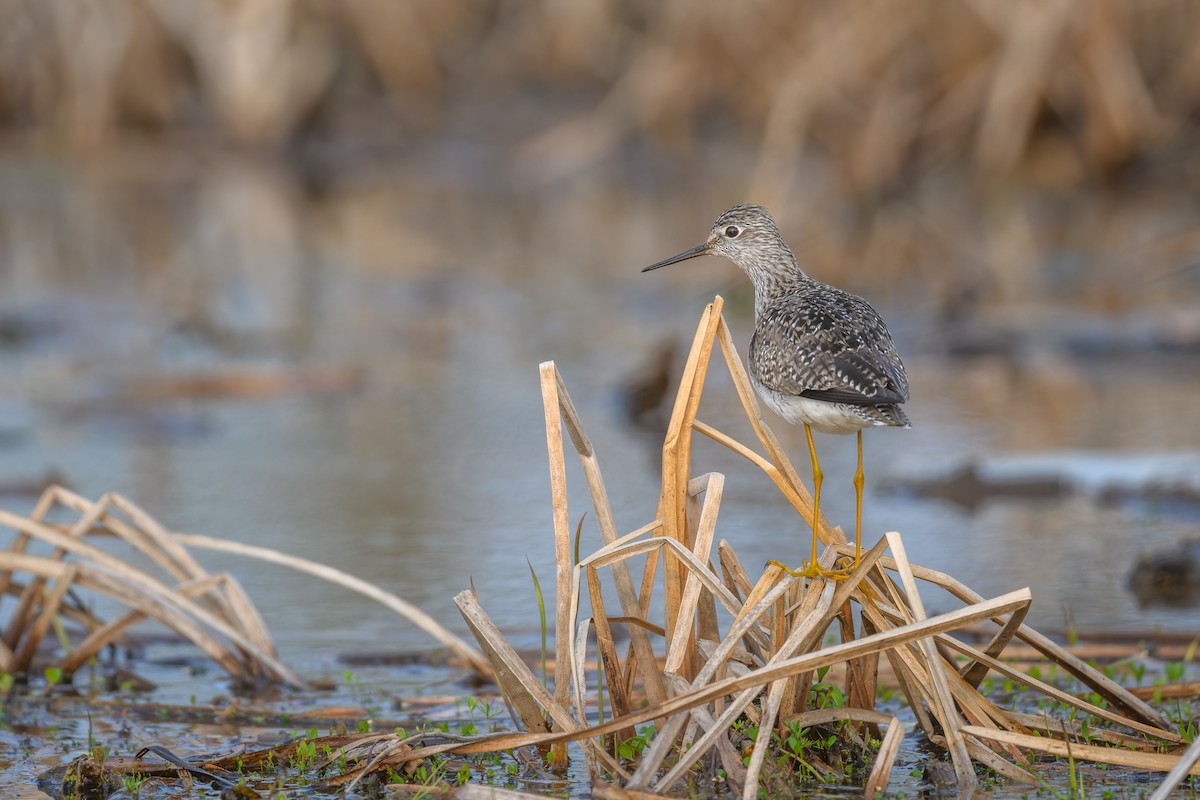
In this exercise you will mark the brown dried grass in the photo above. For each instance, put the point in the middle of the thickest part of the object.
(779, 626)
(212, 611)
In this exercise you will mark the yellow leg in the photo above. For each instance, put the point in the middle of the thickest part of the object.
(858, 493)
(818, 477)
(811, 569)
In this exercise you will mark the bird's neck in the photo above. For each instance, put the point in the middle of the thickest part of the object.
(776, 282)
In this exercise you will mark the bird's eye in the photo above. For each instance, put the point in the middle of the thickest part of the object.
(733, 231)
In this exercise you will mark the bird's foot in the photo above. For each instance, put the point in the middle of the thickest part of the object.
(811, 569)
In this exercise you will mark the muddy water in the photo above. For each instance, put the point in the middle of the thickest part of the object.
(398, 433)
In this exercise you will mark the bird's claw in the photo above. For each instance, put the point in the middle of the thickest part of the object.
(811, 569)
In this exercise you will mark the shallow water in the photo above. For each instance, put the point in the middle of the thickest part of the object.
(417, 461)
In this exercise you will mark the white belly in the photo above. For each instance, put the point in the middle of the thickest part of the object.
(822, 416)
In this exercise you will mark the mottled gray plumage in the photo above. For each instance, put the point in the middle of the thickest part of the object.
(819, 355)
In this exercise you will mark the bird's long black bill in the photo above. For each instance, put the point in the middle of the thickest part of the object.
(698, 250)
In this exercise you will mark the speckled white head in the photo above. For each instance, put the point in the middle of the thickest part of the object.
(747, 236)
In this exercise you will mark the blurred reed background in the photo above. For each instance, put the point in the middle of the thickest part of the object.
(991, 150)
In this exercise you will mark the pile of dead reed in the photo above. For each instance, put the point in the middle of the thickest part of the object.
(212, 611)
(705, 686)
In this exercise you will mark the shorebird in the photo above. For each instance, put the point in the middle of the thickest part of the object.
(820, 356)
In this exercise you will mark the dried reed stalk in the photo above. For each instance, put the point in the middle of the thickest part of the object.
(1116, 756)
(1092, 677)
(212, 611)
(676, 461)
(212, 616)
(522, 689)
(329, 574)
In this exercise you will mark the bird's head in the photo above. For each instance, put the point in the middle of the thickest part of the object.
(744, 234)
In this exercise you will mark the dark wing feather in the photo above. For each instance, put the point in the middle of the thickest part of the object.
(828, 345)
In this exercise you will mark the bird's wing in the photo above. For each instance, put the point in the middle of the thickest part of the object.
(828, 345)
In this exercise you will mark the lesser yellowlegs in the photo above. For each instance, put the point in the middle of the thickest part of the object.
(820, 357)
